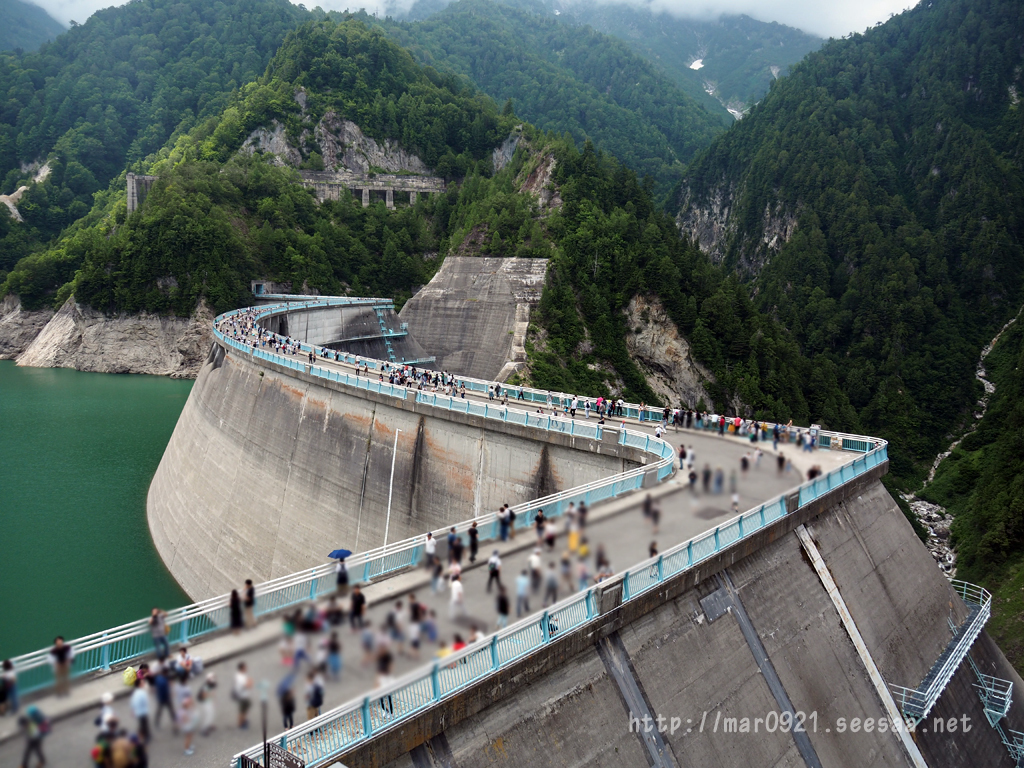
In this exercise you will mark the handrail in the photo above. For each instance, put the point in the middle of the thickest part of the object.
(916, 703)
(320, 741)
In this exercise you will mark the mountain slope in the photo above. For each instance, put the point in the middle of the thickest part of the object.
(25, 26)
(875, 198)
(568, 80)
(737, 57)
(111, 91)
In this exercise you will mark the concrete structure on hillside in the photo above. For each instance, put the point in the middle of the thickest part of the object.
(331, 185)
(368, 331)
(138, 188)
(473, 316)
(719, 652)
(267, 467)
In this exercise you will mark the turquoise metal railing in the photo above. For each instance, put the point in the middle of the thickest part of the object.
(916, 703)
(319, 742)
(103, 650)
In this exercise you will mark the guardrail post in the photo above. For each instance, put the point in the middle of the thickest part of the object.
(184, 629)
(544, 626)
(106, 655)
(661, 569)
(689, 553)
(741, 526)
(572, 427)
(647, 445)
(494, 652)
(625, 586)
(762, 515)
(366, 571)
(717, 546)
(367, 725)
(435, 682)
(312, 585)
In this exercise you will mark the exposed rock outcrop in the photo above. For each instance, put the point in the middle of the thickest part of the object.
(539, 182)
(80, 337)
(341, 143)
(502, 155)
(11, 202)
(18, 327)
(664, 355)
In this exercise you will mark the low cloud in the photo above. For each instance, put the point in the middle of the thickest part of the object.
(830, 19)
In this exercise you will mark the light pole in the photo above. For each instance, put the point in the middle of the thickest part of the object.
(391, 486)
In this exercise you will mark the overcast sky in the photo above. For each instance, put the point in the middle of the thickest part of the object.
(831, 18)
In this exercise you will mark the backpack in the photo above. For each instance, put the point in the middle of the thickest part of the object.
(41, 721)
(316, 698)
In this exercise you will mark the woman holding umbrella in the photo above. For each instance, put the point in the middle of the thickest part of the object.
(340, 571)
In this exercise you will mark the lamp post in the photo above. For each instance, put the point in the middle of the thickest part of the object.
(391, 486)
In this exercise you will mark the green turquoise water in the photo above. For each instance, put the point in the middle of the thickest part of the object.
(77, 453)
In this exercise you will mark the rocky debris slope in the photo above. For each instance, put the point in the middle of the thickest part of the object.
(80, 337)
(935, 519)
(18, 327)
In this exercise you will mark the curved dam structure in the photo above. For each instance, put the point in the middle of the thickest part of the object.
(269, 468)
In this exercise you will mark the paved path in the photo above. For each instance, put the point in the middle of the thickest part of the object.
(618, 525)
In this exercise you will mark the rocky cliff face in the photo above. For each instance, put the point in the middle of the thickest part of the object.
(18, 327)
(80, 337)
(341, 143)
(663, 355)
(710, 222)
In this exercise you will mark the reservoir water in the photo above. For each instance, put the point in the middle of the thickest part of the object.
(77, 453)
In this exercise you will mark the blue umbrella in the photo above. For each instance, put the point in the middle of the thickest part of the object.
(340, 554)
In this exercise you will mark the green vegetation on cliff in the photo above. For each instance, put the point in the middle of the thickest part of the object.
(896, 155)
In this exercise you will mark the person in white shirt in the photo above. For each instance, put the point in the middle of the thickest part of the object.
(457, 606)
(430, 548)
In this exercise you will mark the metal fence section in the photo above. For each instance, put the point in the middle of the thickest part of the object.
(389, 705)
(916, 703)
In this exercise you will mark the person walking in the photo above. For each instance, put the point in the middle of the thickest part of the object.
(9, 686)
(140, 708)
(474, 544)
(314, 696)
(158, 631)
(235, 612)
(242, 694)
(205, 698)
(533, 562)
(286, 699)
(551, 586)
(522, 594)
(187, 720)
(162, 688)
(457, 604)
(538, 524)
(61, 656)
(502, 607)
(429, 550)
(35, 726)
(493, 571)
(341, 578)
(249, 604)
(357, 605)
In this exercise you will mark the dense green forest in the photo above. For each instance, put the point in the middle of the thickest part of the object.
(897, 156)
(258, 218)
(25, 26)
(740, 55)
(113, 90)
(569, 80)
(981, 483)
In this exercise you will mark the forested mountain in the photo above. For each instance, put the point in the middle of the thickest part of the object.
(567, 79)
(25, 26)
(113, 90)
(874, 198)
(736, 57)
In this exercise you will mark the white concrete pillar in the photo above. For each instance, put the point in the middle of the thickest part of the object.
(389, 197)
(366, 197)
(412, 197)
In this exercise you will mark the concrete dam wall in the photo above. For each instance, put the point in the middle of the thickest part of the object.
(474, 313)
(270, 469)
(748, 633)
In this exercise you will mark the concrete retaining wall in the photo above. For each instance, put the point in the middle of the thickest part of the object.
(268, 470)
(562, 706)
